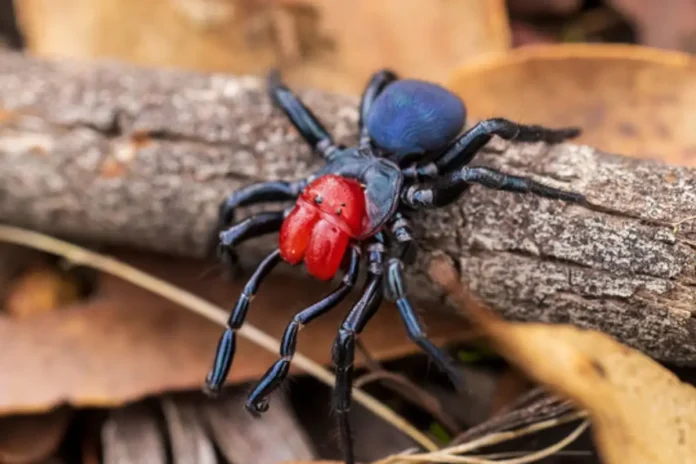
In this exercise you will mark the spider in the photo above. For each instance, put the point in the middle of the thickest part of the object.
(409, 157)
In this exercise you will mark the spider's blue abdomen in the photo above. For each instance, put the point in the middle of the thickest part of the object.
(412, 116)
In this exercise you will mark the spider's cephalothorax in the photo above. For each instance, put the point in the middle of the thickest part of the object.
(410, 156)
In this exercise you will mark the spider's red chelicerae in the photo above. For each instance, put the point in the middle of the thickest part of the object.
(409, 157)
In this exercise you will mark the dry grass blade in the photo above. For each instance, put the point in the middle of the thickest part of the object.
(454, 454)
(500, 437)
(79, 255)
(546, 407)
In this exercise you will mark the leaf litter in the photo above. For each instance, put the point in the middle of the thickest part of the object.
(640, 411)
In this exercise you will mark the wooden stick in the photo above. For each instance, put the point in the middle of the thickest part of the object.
(114, 154)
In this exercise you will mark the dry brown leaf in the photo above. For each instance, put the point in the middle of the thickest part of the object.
(667, 24)
(126, 343)
(627, 99)
(203, 34)
(186, 431)
(243, 439)
(32, 438)
(38, 291)
(133, 434)
(641, 412)
(316, 42)
(413, 37)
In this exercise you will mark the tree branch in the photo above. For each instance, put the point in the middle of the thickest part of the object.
(115, 154)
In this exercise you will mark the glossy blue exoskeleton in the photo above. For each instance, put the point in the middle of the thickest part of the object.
(412, 117)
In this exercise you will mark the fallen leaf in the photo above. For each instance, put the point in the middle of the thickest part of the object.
(125, 343)
(40, 290)
(243, 439)
(315, 42)
(32, 438)
(667, 24)
(628, 100)
(413, 37)
(187, 435)
(133, 434)
(14, 260)
(641, 412)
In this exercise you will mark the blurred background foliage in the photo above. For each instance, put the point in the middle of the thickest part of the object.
(331, 44)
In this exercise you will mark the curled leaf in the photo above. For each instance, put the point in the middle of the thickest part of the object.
(126, 343)
(628, 100)
(641, 412)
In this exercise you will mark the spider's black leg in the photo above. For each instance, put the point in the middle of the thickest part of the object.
(262, 192)
(251, 227)
(344, 346)
(308, 125)
(465, 148)
(224, 354)
(274, 191)
(396, 291)
(454, 184)
(258, 399)
(377, 83)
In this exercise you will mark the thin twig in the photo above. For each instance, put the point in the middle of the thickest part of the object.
(412, 393)
(551, 450)
(544, 408)
(515, 454)
(686, 219)
(80, 255)
(402, 385)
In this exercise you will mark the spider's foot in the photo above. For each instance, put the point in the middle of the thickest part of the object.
(210, 390)
(257, 402)
(256, 408)
(566, 133)
(228, 258)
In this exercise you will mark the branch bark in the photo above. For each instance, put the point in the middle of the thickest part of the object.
(116, 154)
